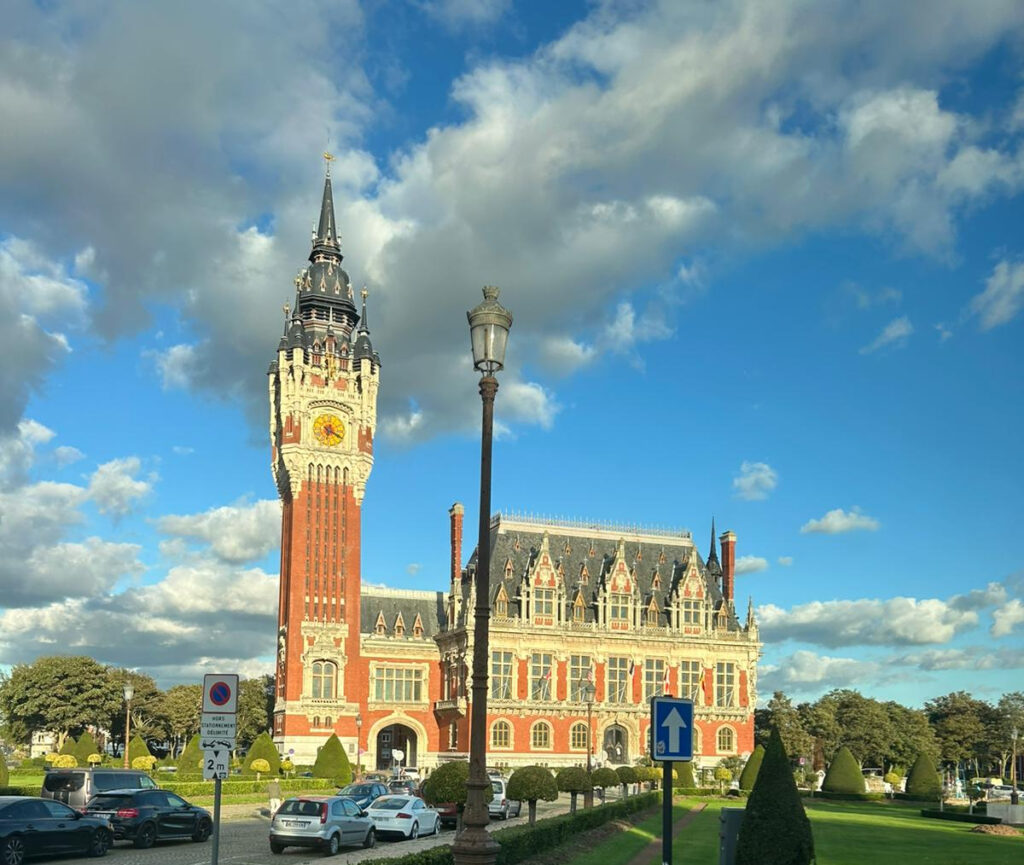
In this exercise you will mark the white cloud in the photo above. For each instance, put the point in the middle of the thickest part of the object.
(895, 334)
(236, 533)
(838, 521)
(65, 455)
(755, 481)
(896, 621)
(176, 365)
(785, 561)
(413, 568)
(750, 564)
(943, 331)
(1007, 617)
(114, 487)
(970, 658)
(458, 14)
(1003, 296)
(18, 451)
(565, 355)
(804, 668)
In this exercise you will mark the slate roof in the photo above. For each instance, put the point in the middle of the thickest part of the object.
(428, 605)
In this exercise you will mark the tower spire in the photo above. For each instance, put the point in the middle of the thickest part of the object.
(363, 326)
(326, 240)
(713, 553)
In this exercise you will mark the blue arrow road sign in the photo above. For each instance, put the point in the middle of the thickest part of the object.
(671, 729)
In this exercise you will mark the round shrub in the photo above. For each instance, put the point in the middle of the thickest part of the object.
(65, 761)
(684, 777)
(332, 762)
(94, 759)
(260, 767)
(447, 784)
(605, 778)
(749, 774)
(573, 779)
(50, 757)
(263, 748)
(144, 763)
(843, 775)
(924, 782)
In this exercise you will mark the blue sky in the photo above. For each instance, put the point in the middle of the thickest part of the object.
(765, 264)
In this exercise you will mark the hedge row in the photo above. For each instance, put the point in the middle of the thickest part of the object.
(960, 817)
(711, 791)
(19, 791)
(232, 787)
(520, 843)
(852, 797)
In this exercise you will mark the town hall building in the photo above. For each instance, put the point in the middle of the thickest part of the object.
(588, 621)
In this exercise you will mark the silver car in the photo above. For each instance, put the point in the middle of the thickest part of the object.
(325, 822)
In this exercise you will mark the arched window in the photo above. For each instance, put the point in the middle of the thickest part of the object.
(726, 740)
(540, 736)
(325, 674)
(578, 737)
(501, 735)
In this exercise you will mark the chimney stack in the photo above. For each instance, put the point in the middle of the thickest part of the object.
(455, 514)
(728, 542)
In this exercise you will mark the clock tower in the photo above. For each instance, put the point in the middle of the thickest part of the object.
(323, 413)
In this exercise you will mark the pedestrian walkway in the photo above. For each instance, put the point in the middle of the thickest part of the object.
(651, 854)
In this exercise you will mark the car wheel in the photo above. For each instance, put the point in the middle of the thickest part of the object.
(371, 838)
(333, 845)
(145, 836)
(203, 831)
(276, 849)
(437, 827)
(414, 832)
(99, 844)
(13, 851)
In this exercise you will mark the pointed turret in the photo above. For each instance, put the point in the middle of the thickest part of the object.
(712, 561)
(363, 347)
(325, 241)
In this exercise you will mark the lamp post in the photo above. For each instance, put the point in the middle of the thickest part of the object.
(1014, 796)
(359, 742)
(129, 692)
(588, 695)
(489, 324)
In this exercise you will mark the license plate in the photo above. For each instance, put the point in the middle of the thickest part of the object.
(295, 823)
(103, 815)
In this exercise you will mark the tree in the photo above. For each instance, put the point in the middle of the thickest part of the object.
(331, 762)
(532, 783)
(447, 783)
(865, 726)
(781, 714)
(911, 735)
(627, 775)
(819, 720)
(749, 774)
(85, 748)
(182, 707)
(775, 828)
(263, 748)
(959, 722)
(573, 780)
(147, 706)
(252, 709)
(1009, 717)
(604, 777)
(843, 775)
(924, 782)
(58, 693)
(137, 748)
(684, 776)
(723, 775)
(4, 775)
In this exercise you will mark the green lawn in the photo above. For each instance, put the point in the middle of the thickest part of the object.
(845, 833)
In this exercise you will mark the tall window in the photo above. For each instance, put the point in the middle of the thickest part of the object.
(691, 612)
(725, 684)
(689, 672)
(726, 740)
(544, 606)
(325, 674)
(501, 675)
(398, 685)
(540, 736)
(501, 735)
(618, 610)
(580, 674)
(540, 676)
(654, 677)
(578, 737)
(617, 680)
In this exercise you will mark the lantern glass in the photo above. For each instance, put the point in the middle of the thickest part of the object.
(129, 692)
(489, 324)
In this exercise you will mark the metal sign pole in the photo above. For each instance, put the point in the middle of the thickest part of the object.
(666, 814)
(215, 852)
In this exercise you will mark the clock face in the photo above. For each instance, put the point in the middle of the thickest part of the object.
(329, 429)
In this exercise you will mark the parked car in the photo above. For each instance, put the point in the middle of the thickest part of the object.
(75, 787)
(447, 813)
(147, 816)
(326, 822)
(1000, 791)
(363, 793)
(404, 787)
(408, 816)
(33, 826)
(500, 805)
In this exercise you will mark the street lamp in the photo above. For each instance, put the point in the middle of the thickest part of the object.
(359, 740)
(489, 324)
(129, 692)
(1014, 796)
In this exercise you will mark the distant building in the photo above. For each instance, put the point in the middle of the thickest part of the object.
(630, 611)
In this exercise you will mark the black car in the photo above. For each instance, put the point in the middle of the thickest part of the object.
(363, 792)
(147, 816)
(30, 826)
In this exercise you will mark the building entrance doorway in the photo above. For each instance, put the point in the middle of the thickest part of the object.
(616, 745)
(392, 739)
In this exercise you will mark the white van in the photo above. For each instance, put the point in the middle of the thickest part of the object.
(500, 805)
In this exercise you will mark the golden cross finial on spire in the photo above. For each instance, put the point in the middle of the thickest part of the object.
(286, 309)
(364, 293)
(329, 158)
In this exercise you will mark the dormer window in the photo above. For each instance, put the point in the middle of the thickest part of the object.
(380, 626)
(501, 604)
(399, 626)
(417, 627)
(508, 569)
(579, 610)
(652, 615)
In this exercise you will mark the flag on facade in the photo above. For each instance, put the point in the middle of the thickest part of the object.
(667, 684)
(590, 675)
(632, 667)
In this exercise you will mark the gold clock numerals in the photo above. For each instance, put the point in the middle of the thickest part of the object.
(329, 430)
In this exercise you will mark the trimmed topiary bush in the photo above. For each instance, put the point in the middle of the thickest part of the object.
(749, 774)
(4, 776)
(137, 748)
(924, 782)
(263, 748)
(604, 778)
(68, 747)
(775, 829)
(684, 776)
(145, 763)
(447, 783)
(531, 783)
(332, 762)
(573, 780)
(843, 775)
(85, 748)
(65, 761)
(627, 775)
(188, 762)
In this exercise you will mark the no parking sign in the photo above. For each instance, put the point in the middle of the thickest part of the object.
(220, 693)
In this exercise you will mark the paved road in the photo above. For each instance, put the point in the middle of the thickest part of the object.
(244, 842)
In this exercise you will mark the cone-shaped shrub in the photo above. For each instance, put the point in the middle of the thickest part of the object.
(85, 748)
(332, 762)
(843, 775)
(263, 748)
(69, 746)
(924, 782)
(775, 829)
(137, 748)
(188, 762)
(749, 774)
(4, 776)
(684, 777)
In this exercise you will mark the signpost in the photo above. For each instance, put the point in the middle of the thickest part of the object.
(217, 738)
(671, 742)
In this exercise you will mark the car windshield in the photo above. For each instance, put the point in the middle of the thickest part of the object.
(390, 803)
(357, 790)
(305, 807)
(496, 787)
(106, 801)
